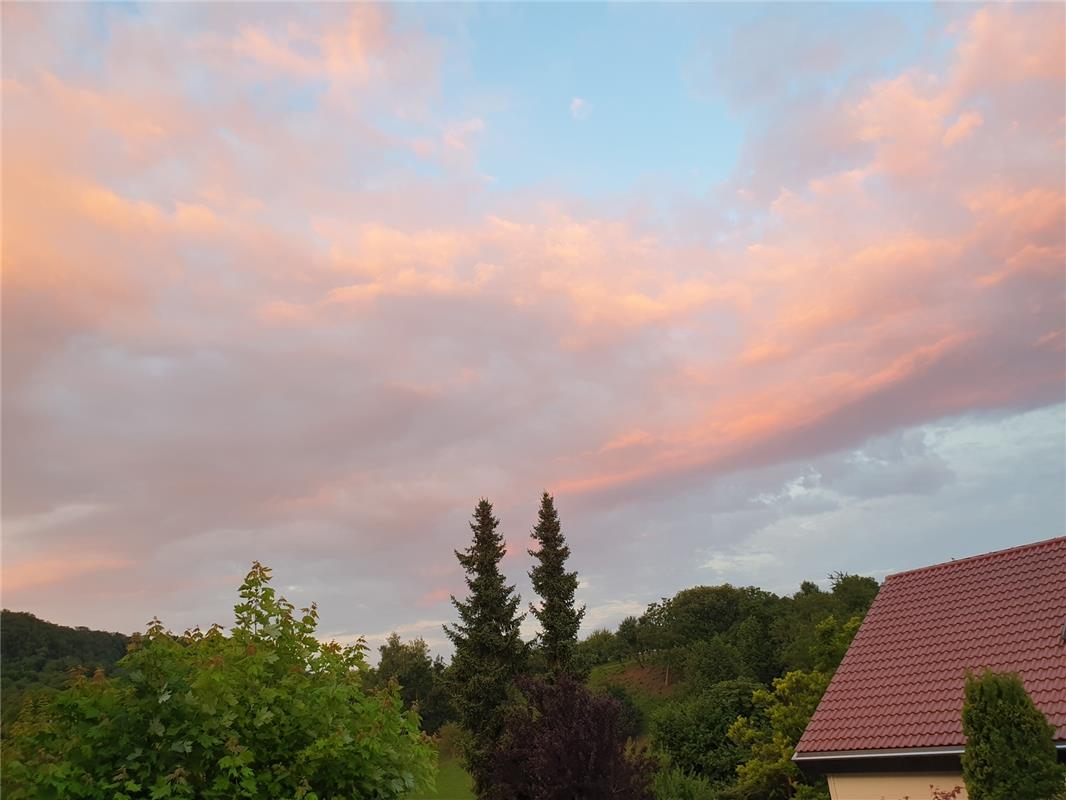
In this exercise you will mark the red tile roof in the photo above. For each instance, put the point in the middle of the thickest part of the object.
(901, 683)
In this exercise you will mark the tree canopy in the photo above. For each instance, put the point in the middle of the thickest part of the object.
(419, 677)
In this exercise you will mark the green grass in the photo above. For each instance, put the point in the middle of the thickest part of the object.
(453, 783)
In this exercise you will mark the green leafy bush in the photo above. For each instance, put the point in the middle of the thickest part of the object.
(693, 732)
(265, 712)
(676, 784)
(1010, 752)
(769, 737)
(711, 661)
(804, 792)
(420, 677)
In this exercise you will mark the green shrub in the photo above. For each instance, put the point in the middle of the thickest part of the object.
(266, 712)
(694, 731)
(804, 792)
(676, 784)
(711, 661)
(1010, 752)
(770, 734)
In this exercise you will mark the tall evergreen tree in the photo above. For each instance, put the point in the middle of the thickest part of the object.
(558, 618)
(489, 652)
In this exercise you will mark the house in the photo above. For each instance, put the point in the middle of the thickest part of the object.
(890, 724)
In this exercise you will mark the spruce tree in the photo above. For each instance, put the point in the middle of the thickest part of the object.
(558, 618)
(1010, 752)
(489, 652)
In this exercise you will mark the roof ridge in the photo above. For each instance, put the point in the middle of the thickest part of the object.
(1055, 540)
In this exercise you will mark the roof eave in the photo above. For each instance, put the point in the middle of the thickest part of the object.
(902, 759)
(894, 752)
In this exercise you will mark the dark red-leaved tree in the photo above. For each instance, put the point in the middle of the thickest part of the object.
(565, 743)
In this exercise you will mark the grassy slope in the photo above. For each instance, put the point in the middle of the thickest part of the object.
(453, 783)
(646, 684)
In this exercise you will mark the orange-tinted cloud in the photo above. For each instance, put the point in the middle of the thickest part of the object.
(243, 322)
(56, 571)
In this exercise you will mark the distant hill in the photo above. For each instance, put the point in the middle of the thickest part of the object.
(36, 655)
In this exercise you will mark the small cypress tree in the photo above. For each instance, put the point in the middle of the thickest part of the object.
(1010, 752)
(558, 618)
(489, 651)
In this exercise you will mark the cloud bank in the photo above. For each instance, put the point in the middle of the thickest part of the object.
(260, 302)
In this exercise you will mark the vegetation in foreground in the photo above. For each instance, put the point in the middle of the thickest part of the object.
(267, 711)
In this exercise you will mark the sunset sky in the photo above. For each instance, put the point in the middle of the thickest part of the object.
(759, 292)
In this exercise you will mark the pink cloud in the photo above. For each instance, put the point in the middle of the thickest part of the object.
(966, 124)
(435, 597)
(288, 343)
(51, 571)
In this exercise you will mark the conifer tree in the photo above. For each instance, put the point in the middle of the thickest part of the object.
(558, 618)
(1010, 751)
(489, 652)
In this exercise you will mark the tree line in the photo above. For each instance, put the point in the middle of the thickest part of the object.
(37, 656)
(701, 697)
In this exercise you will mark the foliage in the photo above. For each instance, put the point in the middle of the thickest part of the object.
(770, 635)
(558, 618)
(564, 743)
(693, 732)
(757, 650)
(37, 656)
(831, 641)
(268, 711)
(420, 679)
(945, 794)
(599, 647)
(855, 593)
(794, 628)
(700, 613)
(628, 638)
(630, 717)
(676, 784)
(489, 652)
(821, 792)
(710, 661)
(1010, 751)
(771, 733)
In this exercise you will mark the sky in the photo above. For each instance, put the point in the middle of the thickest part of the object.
(758, 292)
